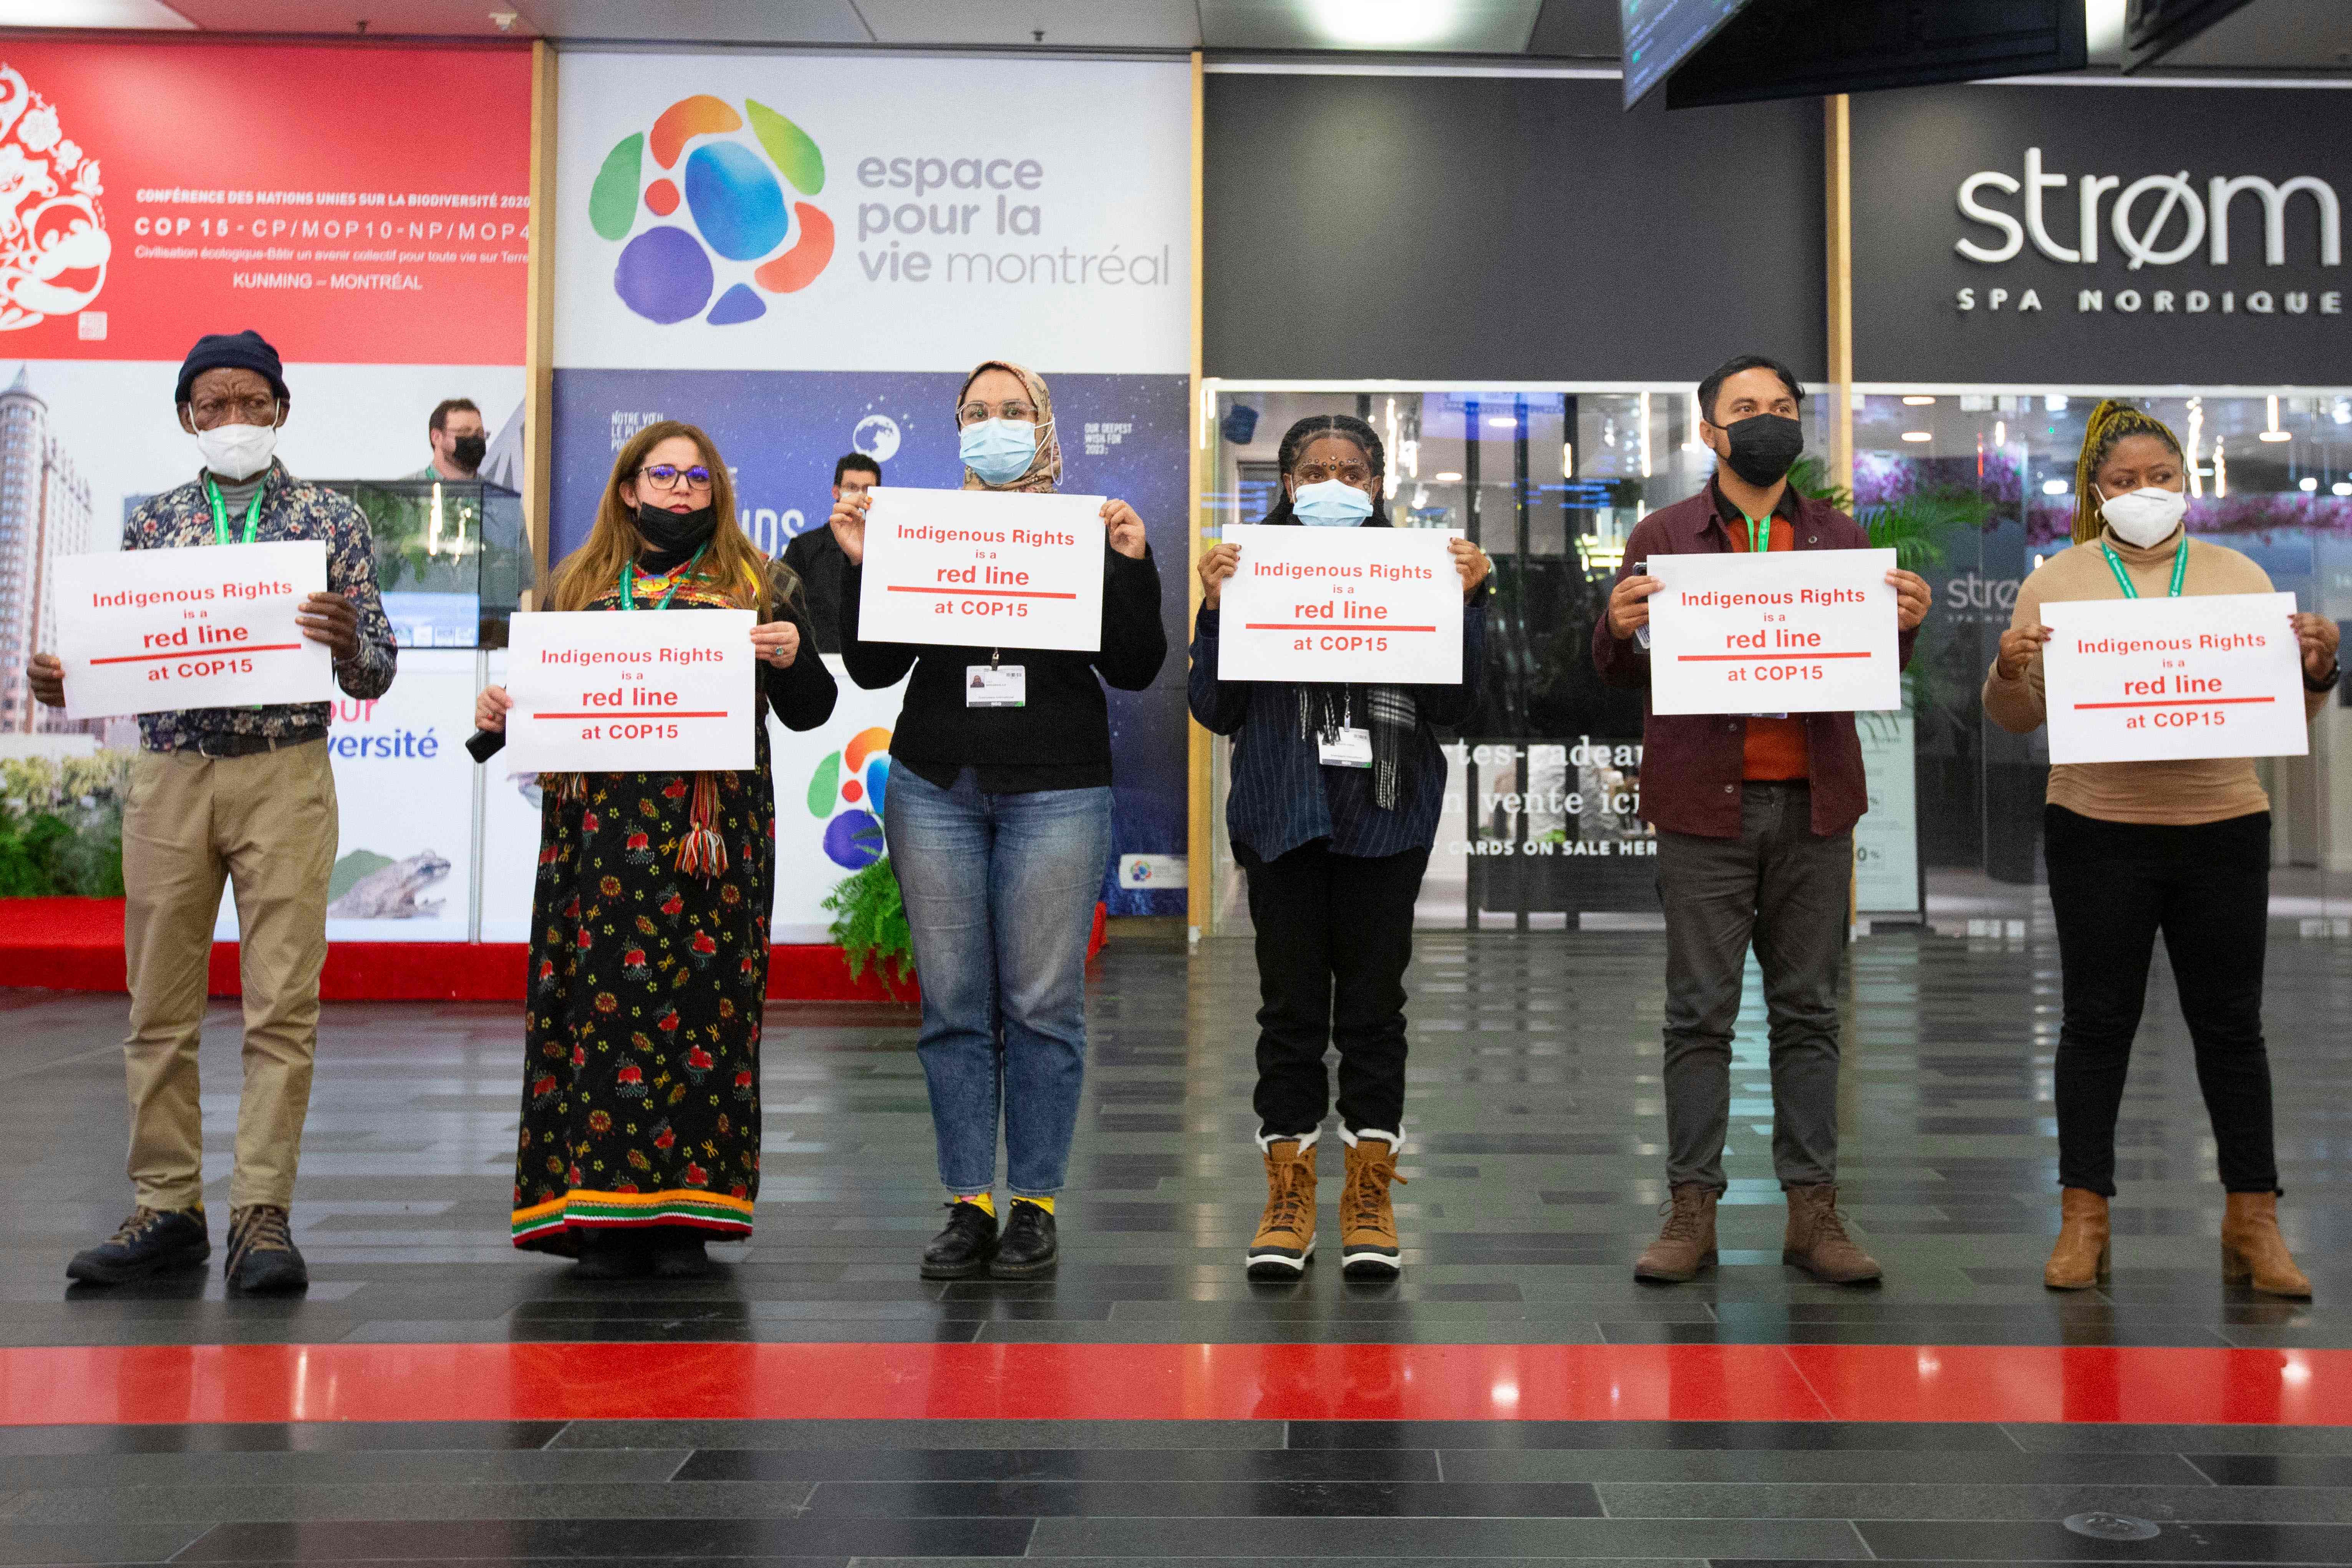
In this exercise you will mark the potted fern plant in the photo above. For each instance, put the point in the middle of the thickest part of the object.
(869, 924)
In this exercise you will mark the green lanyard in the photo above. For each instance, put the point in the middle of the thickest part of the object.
(220, 514)
(678, 580)
(2123, 580)
(1759, 534)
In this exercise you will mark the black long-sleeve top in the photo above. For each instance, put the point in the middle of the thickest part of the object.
(1060, 737)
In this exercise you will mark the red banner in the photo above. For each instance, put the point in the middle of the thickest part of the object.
(353, 205)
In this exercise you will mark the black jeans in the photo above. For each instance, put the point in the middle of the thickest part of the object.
(1334, 934)
(2112, 886)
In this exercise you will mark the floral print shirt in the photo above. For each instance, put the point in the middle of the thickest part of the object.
(289, 509)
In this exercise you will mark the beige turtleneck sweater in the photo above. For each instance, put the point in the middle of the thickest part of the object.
(2179, 794)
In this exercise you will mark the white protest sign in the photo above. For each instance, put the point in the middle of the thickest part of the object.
(1795, 631)
(2132, 681)
(1363, 605)
(143, 631)
(610, 692)
(983, 568)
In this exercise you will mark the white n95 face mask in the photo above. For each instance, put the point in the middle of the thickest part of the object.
(2144, 517)
(237, 451)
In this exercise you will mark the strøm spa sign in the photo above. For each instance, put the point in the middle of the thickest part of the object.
(2128, 235)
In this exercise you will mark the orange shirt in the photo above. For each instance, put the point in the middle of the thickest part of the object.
(1776, 747)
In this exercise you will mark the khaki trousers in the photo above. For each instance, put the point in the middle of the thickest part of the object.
(266, 822)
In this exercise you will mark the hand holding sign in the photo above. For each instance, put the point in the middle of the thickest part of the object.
(215, 626)
(2217, 675)
(598, 692)
(1803, 631)
(1341, 605)
(984, 568)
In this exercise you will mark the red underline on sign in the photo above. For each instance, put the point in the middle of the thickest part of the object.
(1328, 627)
(1719, 657)
(2177, 702)
(634, 713)
(197, 652)
(987, 592)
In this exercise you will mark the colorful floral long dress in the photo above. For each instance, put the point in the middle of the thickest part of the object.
(648, 966)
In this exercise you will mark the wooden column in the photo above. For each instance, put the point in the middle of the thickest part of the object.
(1200, 837)
(1838, 257)
(538, 342)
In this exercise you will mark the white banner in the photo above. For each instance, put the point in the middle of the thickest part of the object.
(608, 691)
(1886, 840)
(772, 211)
(143, 631)
(2133, 680)
(1796, 631)
(983, 568)
(1369, 604)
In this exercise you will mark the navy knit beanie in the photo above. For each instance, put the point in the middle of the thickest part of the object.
(247, 349)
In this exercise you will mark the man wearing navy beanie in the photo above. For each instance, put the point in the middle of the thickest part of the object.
(241, 794)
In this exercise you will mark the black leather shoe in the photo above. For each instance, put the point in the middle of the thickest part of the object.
(1029, 1247)
(964, 1247)
(678, 1253)
(149, 1242)
(262, 1257)
(614, 1255)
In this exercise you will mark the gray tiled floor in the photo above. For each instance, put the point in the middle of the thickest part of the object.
(1533, 1123)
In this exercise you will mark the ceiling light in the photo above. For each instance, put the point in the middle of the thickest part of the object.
(2055, 403)
(96, 14)
(2053, 487)
(2341, 488)
(1504, 421)
(1384, 24)
(1449, 479)
(2274, 436)
(1918, 435)
(1917, 399)
(2309, 485)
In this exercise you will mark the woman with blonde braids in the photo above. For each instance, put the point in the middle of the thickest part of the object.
(649, 947)
(2138, 847)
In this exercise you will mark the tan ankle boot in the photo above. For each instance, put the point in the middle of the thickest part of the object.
(1285, 1232)
(2080, 1259)
(2253, 1251)
(1816, 1240)
(1367, 1234)
(1685, 1241)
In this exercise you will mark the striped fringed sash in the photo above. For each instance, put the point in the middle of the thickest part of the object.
(702, 852)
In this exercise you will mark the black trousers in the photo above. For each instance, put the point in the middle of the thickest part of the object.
(2112, 886)
(1334, 934)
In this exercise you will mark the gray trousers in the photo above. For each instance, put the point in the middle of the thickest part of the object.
(1786, 888)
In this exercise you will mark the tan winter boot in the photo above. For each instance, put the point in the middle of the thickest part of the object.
(1686, 1243)
(2080, 1259)
(1285, 1232)
(1367, 1234)
(1816, 1240)
(2253, 1251)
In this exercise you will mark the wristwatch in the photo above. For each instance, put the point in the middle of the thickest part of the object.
(2335, 674)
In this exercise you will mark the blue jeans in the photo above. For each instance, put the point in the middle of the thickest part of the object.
(1000, 892)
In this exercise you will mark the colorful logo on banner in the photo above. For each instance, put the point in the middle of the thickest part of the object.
(53, 244)
(731, 218)
(847, 789)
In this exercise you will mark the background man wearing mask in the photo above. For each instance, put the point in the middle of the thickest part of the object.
(455, 432)
(1754, 818)
(817, 557)
(245, 793)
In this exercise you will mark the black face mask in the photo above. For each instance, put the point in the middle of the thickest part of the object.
(1764, 447)
(676, 532)
(466, 452)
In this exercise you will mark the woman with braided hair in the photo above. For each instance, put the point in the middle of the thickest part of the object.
(1336, 791)
(2137, 848)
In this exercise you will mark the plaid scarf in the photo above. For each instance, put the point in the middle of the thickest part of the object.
(1323, 711)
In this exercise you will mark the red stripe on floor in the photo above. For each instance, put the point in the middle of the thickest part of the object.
(144, 1384)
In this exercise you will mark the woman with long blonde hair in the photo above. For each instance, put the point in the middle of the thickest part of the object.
(649, 944)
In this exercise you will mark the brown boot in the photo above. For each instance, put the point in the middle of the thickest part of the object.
(1368, 1236)
(2253, 1251)
(1817, 1243)
(1686, 1242)
(2080, 1259)
(1285, 1232)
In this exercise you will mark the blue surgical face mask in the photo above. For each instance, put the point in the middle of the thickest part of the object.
(1330, 504)
(998, 450)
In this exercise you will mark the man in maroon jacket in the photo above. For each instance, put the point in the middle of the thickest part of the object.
(1755, 817)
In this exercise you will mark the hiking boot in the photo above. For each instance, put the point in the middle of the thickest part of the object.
(2253, 1253)
(149, 1242)
(1368, 1236)
(1816, 1240)
(964, 1247)
(1029, 1247)
(262, 1258)
(1285, 1232)
(1685, 1241)
(2080, 1259)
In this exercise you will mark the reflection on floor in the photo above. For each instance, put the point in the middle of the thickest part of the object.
(1534, 1165)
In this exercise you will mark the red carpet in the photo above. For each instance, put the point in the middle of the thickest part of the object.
(140, 1383)
(76, 944)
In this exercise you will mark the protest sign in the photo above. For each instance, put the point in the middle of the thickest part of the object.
(1796, 631)
(1344, 605)
(983, 568)
(2157, 679)
(607, 692)
(144, 631)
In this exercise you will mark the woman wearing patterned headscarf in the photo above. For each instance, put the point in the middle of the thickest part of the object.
(2137, 848)
(999, 822)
